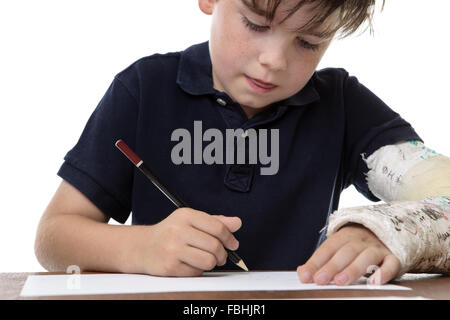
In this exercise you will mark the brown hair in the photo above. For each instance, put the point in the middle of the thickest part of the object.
(352, 14)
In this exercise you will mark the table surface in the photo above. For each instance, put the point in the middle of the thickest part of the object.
(430, 286)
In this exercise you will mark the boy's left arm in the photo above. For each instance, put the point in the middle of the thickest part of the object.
(408, 233)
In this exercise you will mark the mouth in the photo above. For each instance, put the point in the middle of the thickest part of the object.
(260, 86)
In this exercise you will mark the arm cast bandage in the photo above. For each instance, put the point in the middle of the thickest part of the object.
(408, 171)
(414, 181)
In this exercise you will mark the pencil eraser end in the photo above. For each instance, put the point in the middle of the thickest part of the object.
(126, 150)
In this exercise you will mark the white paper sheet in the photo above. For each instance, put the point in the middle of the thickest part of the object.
(369, 298)
(90, 284)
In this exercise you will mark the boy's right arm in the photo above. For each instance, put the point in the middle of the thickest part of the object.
(73, 231)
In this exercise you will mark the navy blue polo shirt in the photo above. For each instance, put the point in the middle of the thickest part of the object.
(323, 131)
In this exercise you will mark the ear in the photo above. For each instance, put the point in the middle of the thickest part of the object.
(206, 6)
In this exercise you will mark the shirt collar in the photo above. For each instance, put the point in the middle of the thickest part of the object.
(195, 77)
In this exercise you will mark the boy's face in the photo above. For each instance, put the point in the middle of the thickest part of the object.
(257, 63)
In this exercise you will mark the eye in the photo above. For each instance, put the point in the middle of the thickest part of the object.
(257, 28)
(305, 44)
(252, 26)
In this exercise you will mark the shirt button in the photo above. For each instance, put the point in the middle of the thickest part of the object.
(222, 102)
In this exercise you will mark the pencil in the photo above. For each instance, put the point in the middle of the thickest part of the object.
(137, 161)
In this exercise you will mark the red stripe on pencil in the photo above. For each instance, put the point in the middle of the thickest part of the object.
(126, 150)
(139, 163)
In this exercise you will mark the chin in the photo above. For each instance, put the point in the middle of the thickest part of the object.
(251, 102)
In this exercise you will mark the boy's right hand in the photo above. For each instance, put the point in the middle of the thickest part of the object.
(184, 244)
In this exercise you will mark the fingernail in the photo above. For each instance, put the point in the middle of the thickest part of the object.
(375, 279)
(322, 278)
(342, 279)
(305, 277)
(235, 245)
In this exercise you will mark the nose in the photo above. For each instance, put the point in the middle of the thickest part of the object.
(273, 56)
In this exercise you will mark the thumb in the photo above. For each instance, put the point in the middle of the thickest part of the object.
(233, 223)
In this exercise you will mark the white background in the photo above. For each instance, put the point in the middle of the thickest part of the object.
(57, 58)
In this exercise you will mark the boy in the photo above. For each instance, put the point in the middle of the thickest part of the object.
(257, 73)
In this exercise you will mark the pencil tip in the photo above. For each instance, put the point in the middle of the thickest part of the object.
(242, 265)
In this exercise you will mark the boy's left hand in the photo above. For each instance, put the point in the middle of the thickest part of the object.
(347, 255)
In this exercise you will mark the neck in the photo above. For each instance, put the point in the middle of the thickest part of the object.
(251, 112)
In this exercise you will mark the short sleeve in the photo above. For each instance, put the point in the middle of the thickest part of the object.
(370, 125)
(94, 165)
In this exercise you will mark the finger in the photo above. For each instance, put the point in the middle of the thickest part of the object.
(177, 268)
(207, 223)
(185, 270)
(341, 259)
(206, 242)
(388, 270)
(321, 256)
(368, 258)
(233, 223)
(197, 258)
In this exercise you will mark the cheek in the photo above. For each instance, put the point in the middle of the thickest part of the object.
(237, 44)
(298, 77)
(232, 53)
(303, 67)
(301, 72)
